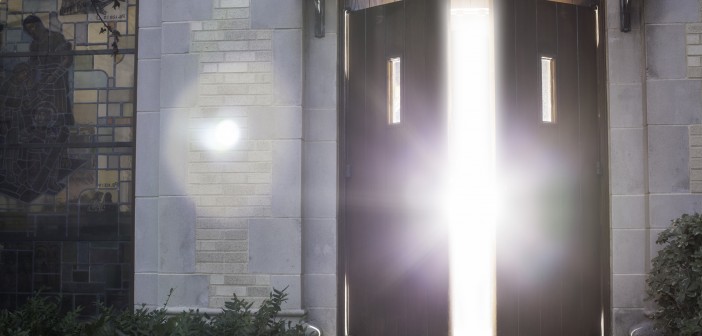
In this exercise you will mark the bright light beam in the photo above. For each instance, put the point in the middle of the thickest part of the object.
(471, 186)
(223, 137)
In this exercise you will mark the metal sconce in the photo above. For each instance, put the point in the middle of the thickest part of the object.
(625, 15)
(318, 18)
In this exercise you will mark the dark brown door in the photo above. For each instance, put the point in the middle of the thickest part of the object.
(550, 248)
(394, 253)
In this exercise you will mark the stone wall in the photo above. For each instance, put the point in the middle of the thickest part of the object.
(654, 97)
(261, 214)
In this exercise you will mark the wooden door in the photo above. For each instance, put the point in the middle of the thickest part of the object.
(551, 255)
(393, 247)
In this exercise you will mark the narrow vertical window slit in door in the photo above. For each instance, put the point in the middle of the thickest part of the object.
(548, 90)
(394, 94)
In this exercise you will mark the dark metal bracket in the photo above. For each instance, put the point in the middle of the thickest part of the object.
(625, 15)
(318, 18)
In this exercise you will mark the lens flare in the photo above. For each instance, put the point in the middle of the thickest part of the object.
(224, 136)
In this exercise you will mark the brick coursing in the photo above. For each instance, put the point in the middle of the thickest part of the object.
(694, 50)
(233, 186)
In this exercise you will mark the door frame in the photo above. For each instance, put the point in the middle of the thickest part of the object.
(603, 114)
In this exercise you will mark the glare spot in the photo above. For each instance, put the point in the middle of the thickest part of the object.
(224, 136)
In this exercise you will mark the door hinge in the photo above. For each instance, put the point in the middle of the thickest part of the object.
(347, 171)
(598, 168)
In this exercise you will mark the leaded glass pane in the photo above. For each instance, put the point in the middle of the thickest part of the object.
(67, 152)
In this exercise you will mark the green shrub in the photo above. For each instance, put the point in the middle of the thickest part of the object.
(675, 280)
(41, 316)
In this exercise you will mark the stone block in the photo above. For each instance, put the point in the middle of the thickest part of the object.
(664, 11)
(320, 125)
(664, 208)
(628, 212)
(674, 102)
(187, 10)
(267, 14)
(668, 161)
(320, 178)
(665, 51)
(287, 178)
(277, 122)
(625, 56)
(613, 19)
(179, 80)
(148, 90)
(275, 246)
(146, 289)
(628, 251)
(625, 105)
(293, 284)
(189, 290)
(287, 67)
(147, 154)
(149, 43)
(176, 227)
(324, 319)
(173, 160)
(628, 291)
(176, 38)
(146, 235)
(319, 248)
(319, 290)
(149, 14)
(625, 319)
(320, 73)
(627, 161)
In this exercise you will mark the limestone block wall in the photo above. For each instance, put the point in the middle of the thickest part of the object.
(654, 97)
(261, 214)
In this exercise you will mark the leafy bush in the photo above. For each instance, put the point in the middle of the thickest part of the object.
(675, 280)
(42, 316)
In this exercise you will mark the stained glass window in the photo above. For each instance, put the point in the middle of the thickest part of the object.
(67, 154)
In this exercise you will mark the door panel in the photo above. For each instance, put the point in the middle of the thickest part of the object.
(395, 252)
(549, 254)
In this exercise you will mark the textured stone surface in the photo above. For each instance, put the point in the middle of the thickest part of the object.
(319, 251)
(663, 11)
(628, 212)
(176, 227)
(275, 246)
(266, 14)
(148, 90)
(627, 155)
(287, 67)
(147, 154)
(149, 43)
(293, 283)
(179, 78)
(146, 253)
(664, 208)
(187, 10)
(668, 159)
(625, 56)
(665, 51)
(628, 290)
(320, 290)
(320, 176)
(674, 102)
(189, 290)
(287, 178)
(626, 105)
(173, 144)
(176, 38)
(628, 251)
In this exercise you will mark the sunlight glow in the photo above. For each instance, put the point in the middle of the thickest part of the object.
(224, 136)
(471, 181)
